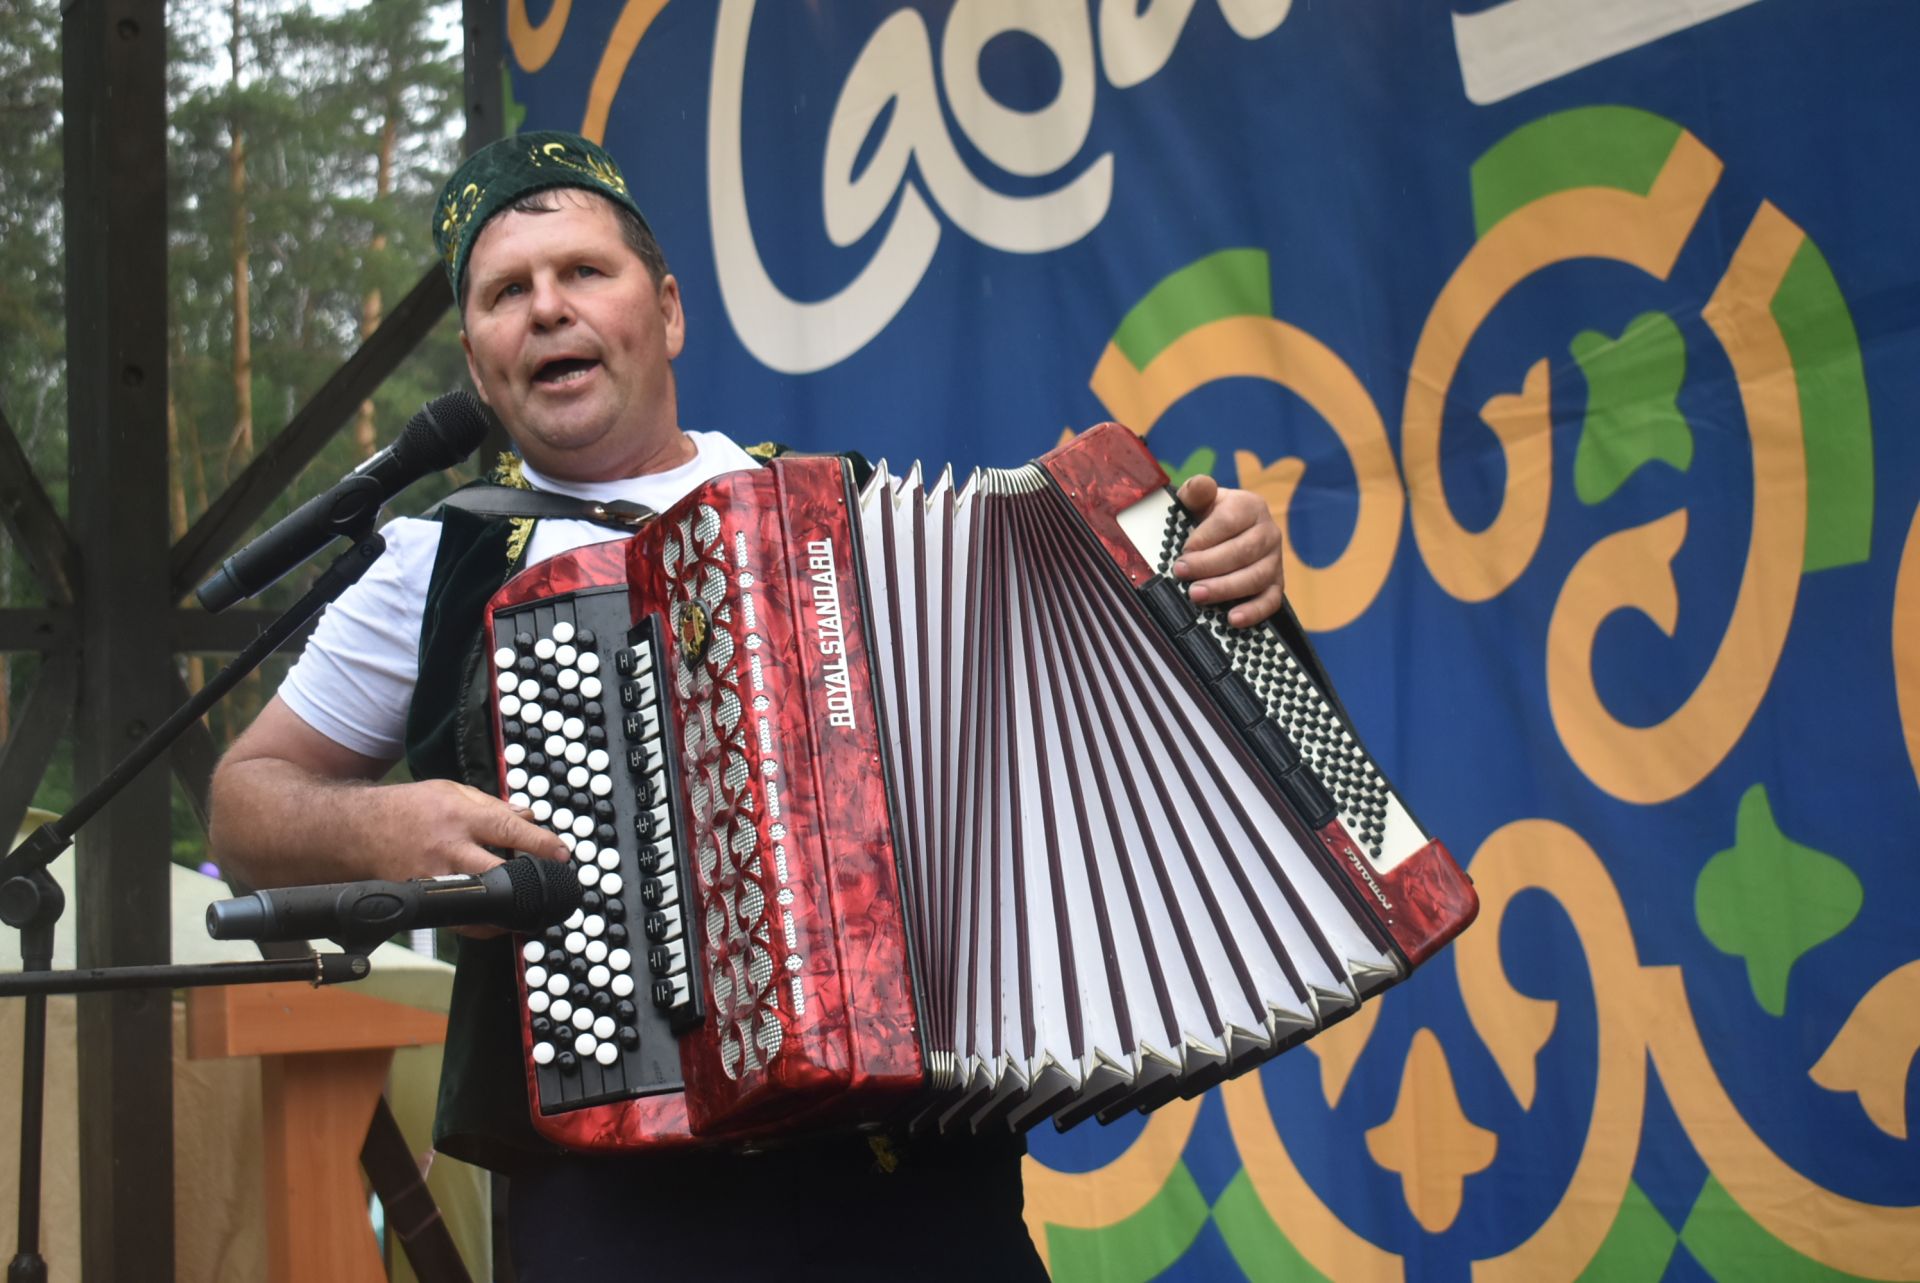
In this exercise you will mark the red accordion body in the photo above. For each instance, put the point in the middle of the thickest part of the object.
(779, 908)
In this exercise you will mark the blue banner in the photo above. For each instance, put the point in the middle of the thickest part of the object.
(1576, 347)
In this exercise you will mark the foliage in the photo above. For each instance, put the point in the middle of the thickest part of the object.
(312, 96)
(32, 293)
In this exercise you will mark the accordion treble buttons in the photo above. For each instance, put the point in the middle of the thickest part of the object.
(663, 959)
(663, 925)
(590, 1038)
(652, 824)
(632, 660)
(670, 991)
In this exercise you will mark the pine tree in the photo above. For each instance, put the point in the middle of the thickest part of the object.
(33, 399)
(305, 151)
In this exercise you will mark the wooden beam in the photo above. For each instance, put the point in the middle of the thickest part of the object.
(35, 628)
(193, 757)
(291, 1018)
(274, 469)
(30, 518)
(486, 76)
(323, 1060)
(486, 71)
(36, 733)
(114, 63)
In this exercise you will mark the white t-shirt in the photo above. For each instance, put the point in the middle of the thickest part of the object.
(355, 678)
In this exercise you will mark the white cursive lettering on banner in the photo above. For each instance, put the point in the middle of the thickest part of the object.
(896, 67)
(1135, 43)
(1517, 45)
(893, 78)
(783, 333)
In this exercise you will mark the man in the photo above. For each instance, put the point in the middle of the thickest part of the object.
(570, 325)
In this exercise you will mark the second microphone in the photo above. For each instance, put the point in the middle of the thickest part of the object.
(521, 894)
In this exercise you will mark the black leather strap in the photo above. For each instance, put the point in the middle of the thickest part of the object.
(507, 501)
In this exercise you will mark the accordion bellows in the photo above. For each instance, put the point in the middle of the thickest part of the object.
(933, 805)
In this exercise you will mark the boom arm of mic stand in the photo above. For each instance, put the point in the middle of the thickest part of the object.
(31, 901)
(48, 841)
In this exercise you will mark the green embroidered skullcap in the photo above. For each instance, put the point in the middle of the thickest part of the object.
(500, 173)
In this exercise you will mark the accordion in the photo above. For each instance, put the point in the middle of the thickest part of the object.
(932, 804)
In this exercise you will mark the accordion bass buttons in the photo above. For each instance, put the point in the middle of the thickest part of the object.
(1167, 604)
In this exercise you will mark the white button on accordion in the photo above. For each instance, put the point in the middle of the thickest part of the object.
(932, 805)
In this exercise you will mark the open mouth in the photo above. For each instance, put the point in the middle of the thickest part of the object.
(564, 371)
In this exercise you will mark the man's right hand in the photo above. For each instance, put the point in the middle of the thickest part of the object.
(292, 807)
(441, 826)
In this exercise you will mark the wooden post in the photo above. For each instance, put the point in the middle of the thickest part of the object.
(113, 63)
(324, 1056)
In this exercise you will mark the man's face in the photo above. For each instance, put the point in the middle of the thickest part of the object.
(568, 339)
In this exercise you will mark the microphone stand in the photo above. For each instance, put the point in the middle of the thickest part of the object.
(31, 901)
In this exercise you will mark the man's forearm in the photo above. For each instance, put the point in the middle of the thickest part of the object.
(278, 824)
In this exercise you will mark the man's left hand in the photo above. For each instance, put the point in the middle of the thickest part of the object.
(1233, 554)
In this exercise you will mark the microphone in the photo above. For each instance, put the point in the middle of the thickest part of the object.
(446, 430)
(520, 894)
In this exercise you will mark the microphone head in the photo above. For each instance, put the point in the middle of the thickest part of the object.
(544, 892)
(446, 430)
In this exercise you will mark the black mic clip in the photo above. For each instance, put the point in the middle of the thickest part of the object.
(348, 509)
(520, 894)
(367, 919)
(357, 500)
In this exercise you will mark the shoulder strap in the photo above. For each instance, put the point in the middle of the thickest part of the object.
(485, 499)
(507, 501)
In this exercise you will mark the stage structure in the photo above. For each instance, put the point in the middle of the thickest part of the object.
(1557, 336)
(113, 582)
(1575, 347)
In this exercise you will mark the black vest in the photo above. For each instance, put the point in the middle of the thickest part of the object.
(482, 1115)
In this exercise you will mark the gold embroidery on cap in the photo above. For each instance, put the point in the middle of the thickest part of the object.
(600, 170)
(455, 217)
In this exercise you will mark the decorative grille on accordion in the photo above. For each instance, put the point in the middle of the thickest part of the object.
(971, 818)
(737, 926)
